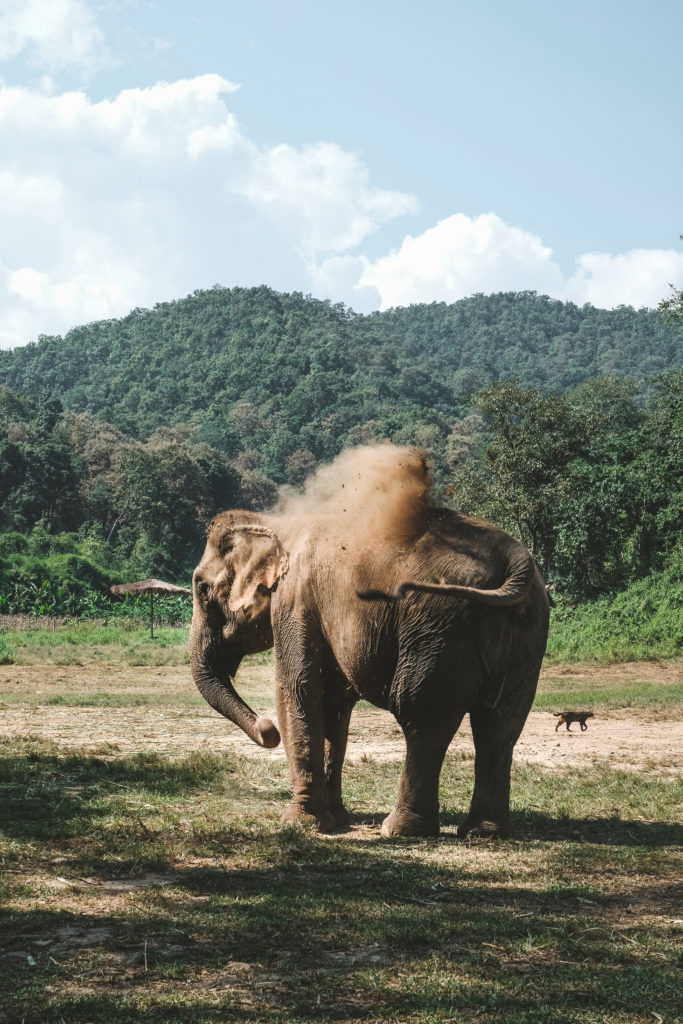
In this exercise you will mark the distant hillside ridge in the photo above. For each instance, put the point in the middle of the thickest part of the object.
(235, 362)
(120, 441)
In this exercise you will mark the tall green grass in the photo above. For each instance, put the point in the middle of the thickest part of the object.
(123, 640)
(6, 651)
(641, 623)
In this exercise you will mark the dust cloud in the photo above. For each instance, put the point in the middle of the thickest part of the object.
(381, 491)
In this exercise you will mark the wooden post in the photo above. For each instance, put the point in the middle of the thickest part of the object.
(151, 616)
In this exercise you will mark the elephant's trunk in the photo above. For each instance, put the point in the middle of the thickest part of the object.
(212, 672)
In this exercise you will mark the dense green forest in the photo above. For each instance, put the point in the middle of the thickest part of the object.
(119, 441)
(282, 375)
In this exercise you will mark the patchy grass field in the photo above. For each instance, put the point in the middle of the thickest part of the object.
(148, 878)
(121, 642)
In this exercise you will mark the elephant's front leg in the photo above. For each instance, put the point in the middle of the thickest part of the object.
(301, 722)
(337, 718)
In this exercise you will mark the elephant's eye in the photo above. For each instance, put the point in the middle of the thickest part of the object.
(202, 589)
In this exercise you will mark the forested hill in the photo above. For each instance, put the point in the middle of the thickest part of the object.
(120, 441)
(291, 373)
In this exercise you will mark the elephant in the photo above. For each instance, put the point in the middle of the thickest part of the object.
(442, 616)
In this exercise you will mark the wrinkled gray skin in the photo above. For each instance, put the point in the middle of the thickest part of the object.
(427, 652)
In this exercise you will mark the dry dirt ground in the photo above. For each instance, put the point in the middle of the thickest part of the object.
(629, 742)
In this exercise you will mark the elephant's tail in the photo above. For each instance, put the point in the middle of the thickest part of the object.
(511, 594)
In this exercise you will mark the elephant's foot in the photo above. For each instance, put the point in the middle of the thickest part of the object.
(402, 822)
(483, 828)
(340, 815)
(323, 820)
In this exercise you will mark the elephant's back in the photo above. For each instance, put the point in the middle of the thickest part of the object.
(467, 551)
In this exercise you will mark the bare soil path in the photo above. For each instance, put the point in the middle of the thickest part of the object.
(629, 742)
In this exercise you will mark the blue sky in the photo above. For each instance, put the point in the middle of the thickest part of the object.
(375, 153)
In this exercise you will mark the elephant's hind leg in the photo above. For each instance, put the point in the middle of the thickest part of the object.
(416, 812)
(495, 732)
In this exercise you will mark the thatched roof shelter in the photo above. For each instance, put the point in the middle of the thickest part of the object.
(150, 587)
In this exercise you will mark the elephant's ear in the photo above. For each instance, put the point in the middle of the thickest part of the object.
(258, 561)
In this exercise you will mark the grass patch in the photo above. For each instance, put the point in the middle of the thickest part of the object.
(6, 650)
(163, 888)
(146, 887)
(610, 693)
(642, 696)
(95, 659)
(158, 887)
(118, 642)
(79, 643)
(126, 700)
(121, 685)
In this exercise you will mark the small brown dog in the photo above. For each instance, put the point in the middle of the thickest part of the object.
(573, 716)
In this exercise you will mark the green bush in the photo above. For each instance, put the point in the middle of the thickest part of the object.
(643, 622)
(52, 576)
(12, 543)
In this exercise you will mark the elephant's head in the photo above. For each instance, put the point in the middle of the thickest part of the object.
(232, 584)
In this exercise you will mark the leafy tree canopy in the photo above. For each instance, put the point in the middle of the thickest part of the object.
(563, 424)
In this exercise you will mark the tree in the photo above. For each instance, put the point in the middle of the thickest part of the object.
(661, 464)
(599, 518)
(673, 306)
(166, 491)
(523, 477)
(39, 470)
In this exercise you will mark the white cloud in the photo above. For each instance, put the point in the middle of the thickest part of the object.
(144, 197)
(339, 278)
(125, 202)
(462, 255)
(51, 33)
(27, 283)
(324, 190)
(225, 136)
(636, 278)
